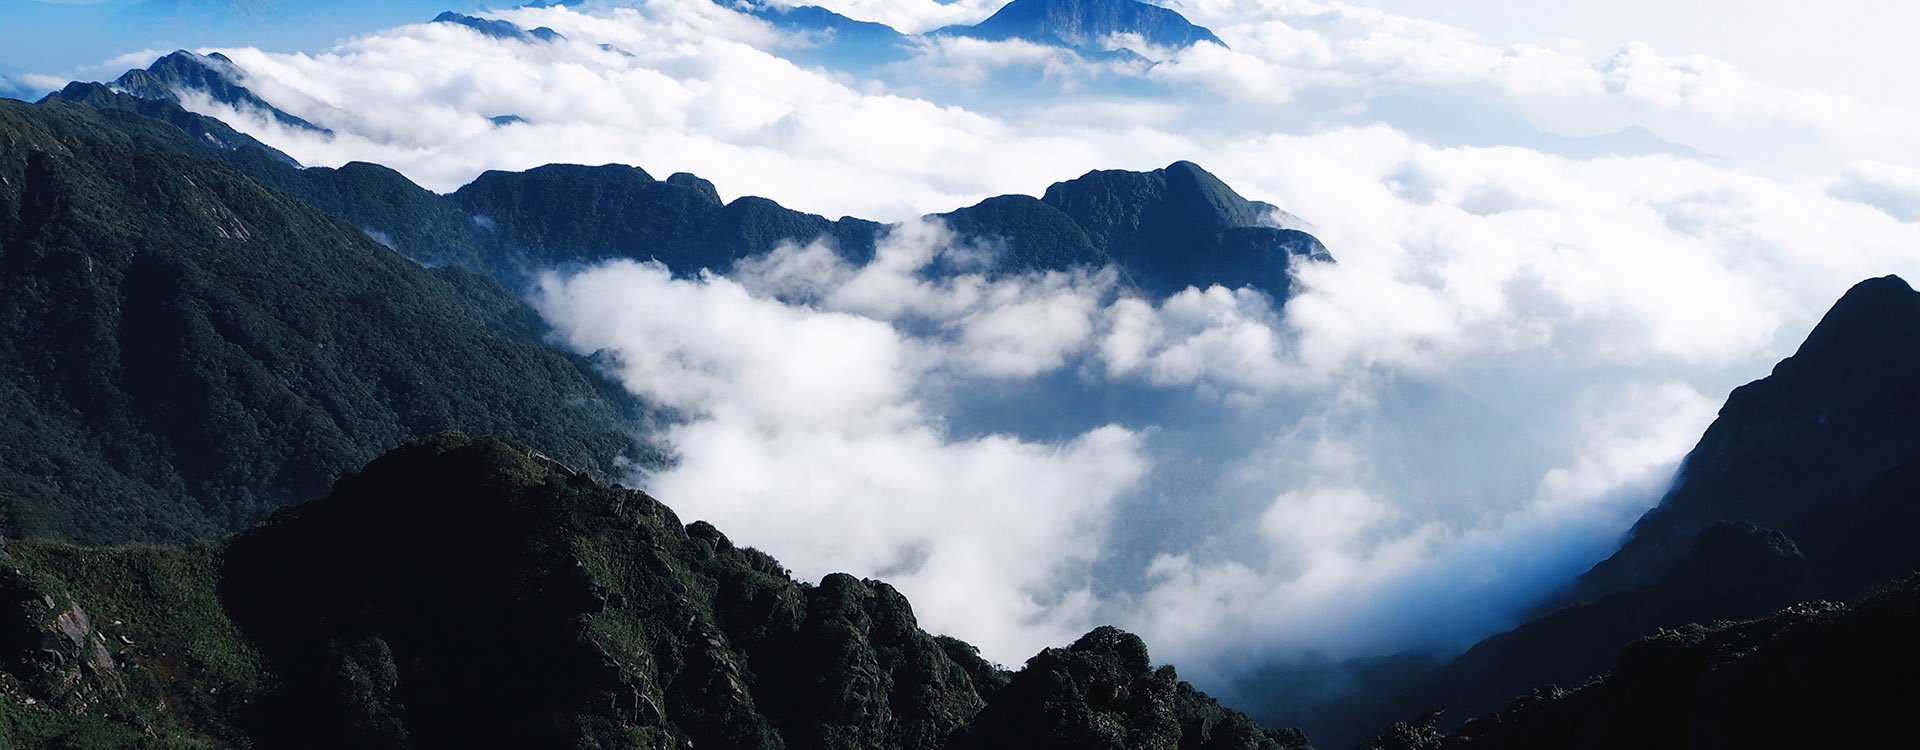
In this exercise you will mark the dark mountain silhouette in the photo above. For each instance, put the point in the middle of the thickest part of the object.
(1165, 229)
(1086, 24)
(1792, 450)
(463, 593)
(1806, 487)
(563, 214)
(1816, 674)
(1181, 226)
(183, 351)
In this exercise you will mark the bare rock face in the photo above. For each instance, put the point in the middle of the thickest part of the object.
(61, 659)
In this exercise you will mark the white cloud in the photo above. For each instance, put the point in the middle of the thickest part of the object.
(1271, 467)
(804, 433)
(1894, 190)
(908, 16)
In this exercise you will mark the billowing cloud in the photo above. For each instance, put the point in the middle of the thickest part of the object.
(1513, 350)
(805, 431)
(1894, 190)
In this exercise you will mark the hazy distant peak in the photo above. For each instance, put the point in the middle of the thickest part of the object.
(1087, 24)
(499, 29)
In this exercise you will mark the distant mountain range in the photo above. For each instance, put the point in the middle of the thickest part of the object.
(1164, 230)
(1097, 28)
(197, 334)
(385, 374)
(499, 29)
(185, 349)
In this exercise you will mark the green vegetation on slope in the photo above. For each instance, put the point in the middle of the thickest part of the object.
(119, 647)
(466, 593)
(183, 351)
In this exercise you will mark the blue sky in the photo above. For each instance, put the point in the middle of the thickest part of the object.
(68, 37)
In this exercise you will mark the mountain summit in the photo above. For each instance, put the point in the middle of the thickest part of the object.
(1087, 24)
(214, 76)
(1181, 226)
(1788, 449)
(1803, 489)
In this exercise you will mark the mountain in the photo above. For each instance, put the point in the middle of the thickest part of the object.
(831, 39)
(466, 592)
(1165, 230)
(214, 76)
(498, 29)
(1181, 226)
(207, 132)
(1086, 25)
(1806, 487)
(563, 214)
(1798, 447)
(1817, 674)
(184, 351)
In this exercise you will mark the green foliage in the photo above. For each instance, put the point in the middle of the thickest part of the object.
(183, 351)
(177, 670)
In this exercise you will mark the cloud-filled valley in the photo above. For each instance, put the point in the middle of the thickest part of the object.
(1522, 333)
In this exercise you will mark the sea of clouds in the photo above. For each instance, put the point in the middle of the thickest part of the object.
(1531, 319)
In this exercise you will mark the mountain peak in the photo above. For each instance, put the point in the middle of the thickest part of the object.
(499, 29)
(1181, 226)
(1842, 409)
(1880, 312)
(214, 75)
(1087, 24)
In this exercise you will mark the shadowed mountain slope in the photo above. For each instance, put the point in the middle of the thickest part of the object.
(1790, 450)
(1816, 674)
(471, 593)
(1806, 487)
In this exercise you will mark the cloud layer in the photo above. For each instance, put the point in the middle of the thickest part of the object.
(1524, 332)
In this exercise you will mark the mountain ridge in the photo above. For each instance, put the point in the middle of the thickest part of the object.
(1806, 487)
(632, 630)
(214, 75)
(1086, 25)
(1165, 229)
